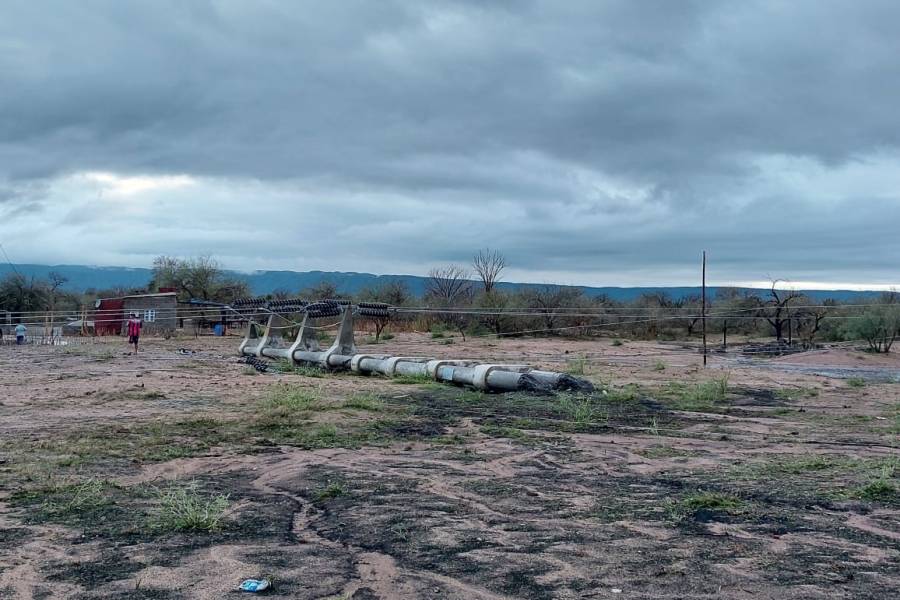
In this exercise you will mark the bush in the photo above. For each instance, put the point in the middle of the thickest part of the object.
(878, 326)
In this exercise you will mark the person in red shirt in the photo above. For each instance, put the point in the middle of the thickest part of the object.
(134, 331)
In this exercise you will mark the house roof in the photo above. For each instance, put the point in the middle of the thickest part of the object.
(157, 295)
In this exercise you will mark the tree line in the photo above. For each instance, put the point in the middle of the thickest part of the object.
(467, 300)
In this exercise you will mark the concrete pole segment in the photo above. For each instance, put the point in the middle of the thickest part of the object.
(342, 355)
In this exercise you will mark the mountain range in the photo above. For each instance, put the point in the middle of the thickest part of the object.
(82, 277)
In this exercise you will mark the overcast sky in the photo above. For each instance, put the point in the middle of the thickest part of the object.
(592, 142)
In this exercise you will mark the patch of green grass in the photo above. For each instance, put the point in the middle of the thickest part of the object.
(878, 490)
(365, 401)
(310, 371)
(581, 409)
(455, 439)
(73, 499)
(435, 335)
(659, 366)
(796, 393)
(151, 442)
(893, 415)
(387, 336)
(576, 366)
(334, 489)
(711, 501)
(701, 397)
(185, 508)
(471, 396)
(503, 432)
(620, 395)
(288, 400)
(797, 466)
(704, 501)
(248, 370)
(286, 366)
(322, 436)
(617, 342)
(412, 379)
(882, 486)
(447, 342)
(663, 452)
(856, 382)
(527, 423)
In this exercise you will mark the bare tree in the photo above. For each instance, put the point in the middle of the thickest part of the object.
(447, 285)
(450, 288)
(547, 300)
(393, 293)
(690, 319)
(488, 264)
(777, 308)
(55, 281)
(809, 321)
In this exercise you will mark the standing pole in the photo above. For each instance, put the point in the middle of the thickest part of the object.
(725, 334)
(703, 304)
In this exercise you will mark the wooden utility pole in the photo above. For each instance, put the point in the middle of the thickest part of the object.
(703, 308)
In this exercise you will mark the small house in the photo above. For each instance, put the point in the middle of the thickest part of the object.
(157, 311)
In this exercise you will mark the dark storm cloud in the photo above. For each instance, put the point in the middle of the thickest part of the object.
(573, 130)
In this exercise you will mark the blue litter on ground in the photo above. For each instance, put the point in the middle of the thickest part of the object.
(254, 585)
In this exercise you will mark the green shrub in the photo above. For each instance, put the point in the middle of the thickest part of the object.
(877, 325)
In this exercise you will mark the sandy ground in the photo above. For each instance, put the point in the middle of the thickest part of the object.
(374, 489)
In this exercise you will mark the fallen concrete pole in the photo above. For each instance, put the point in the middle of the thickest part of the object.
(342, 355)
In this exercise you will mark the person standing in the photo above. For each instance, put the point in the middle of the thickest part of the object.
(134, 331)
(21, 330)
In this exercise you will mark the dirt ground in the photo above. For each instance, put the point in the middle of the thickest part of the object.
(180, 472)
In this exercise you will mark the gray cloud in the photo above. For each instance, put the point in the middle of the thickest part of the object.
(600, 138)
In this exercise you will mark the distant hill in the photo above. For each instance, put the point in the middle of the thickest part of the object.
(82, 277)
